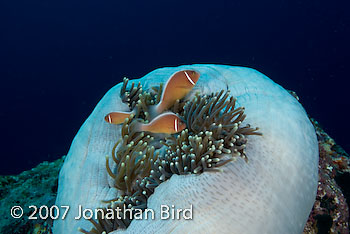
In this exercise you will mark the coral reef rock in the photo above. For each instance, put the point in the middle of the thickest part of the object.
(37, 187)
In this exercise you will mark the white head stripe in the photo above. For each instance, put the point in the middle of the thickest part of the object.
(109, 119)
(189, 78)
(176, 125)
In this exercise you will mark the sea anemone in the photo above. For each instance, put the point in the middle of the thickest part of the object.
(269, 188)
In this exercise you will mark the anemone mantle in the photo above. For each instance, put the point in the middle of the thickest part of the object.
(271, 193)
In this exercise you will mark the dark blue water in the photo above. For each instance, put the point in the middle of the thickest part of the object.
(58, 58)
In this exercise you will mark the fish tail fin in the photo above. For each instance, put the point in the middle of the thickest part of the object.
(155, 110)
(137, 126)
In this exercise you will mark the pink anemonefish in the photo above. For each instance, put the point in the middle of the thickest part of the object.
(117, 117)
(167, 122)
(177, 87)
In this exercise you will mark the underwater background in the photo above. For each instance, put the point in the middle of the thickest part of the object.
(58, 58)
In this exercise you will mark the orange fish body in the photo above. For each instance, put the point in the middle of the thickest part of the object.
(167, 122)
(117, 117)
(177, 87)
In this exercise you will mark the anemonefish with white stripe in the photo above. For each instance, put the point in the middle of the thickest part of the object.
(166, 122)
(117, 117)
(177, 87)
